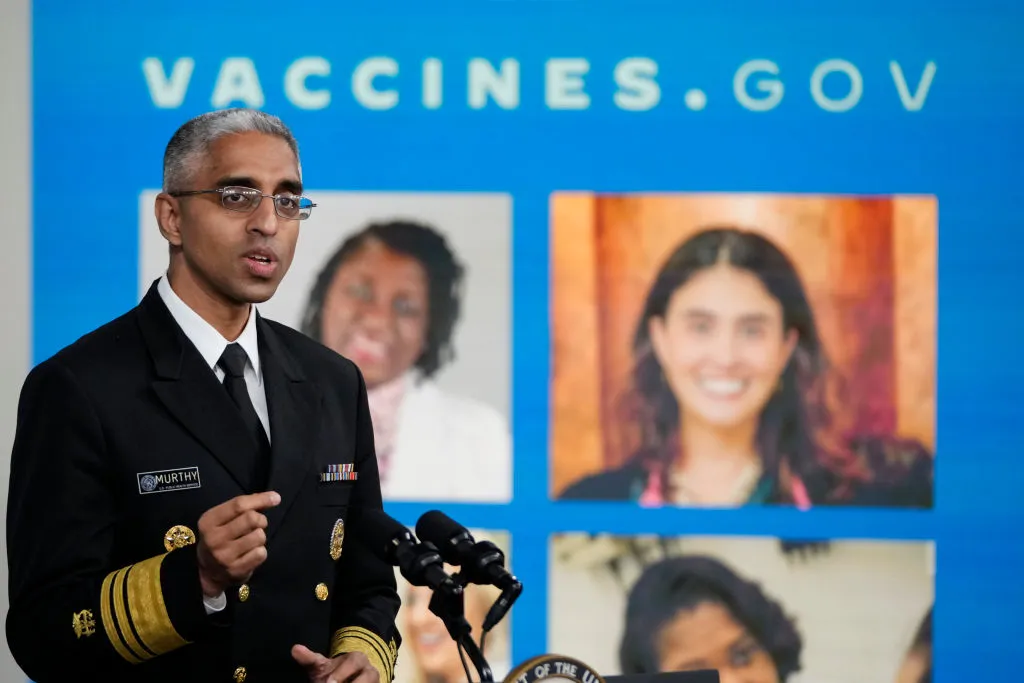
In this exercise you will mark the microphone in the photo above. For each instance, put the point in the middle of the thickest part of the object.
(419, 563)
(482, 562)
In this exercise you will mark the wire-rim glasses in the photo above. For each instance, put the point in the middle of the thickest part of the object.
(246, 200)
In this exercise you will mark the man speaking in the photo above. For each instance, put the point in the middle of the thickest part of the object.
(186, 478)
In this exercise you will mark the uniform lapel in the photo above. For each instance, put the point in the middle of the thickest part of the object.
(190, 391)
(294, 406)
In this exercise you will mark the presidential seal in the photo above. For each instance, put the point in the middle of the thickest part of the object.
(544, 667)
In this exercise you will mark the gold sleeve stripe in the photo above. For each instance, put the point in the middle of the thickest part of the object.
(130, 621)
(149, 612)
(124, 618)
(369, 637)
(347, 641)
(359, 639)
(109, 623)
(134, 614)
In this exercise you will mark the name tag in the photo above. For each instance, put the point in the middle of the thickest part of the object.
(168, 480)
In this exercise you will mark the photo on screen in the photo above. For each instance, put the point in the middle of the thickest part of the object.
(428, 653)
(415, 289)
(757, 609)
(723, 350)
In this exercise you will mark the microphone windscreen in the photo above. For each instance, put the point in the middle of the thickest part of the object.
(437, 528)
(378, 531)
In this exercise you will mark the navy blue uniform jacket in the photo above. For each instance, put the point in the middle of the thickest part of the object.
(96, 591)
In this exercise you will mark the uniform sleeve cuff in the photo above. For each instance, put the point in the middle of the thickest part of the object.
(179, 575)
(382, 655)
(134, 611)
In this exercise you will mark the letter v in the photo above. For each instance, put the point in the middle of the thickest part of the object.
(916, 101)
(168, 93)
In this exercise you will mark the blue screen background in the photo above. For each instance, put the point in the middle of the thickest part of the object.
(98, 140)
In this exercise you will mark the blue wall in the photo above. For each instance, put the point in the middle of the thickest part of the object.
(100, 125)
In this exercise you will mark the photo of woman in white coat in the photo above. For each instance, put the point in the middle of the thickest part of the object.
(389, 299)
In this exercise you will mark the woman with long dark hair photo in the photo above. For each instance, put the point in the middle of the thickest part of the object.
(731, 394)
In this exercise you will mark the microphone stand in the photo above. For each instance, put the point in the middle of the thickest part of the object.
(448, 604)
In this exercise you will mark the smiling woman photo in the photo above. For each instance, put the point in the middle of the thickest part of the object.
(389, 299)
(729, 394)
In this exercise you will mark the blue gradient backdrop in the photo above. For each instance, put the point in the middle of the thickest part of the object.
(98, 141)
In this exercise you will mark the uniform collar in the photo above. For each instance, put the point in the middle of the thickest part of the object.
(207, 340)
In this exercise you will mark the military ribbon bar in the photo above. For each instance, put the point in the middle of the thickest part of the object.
(345, 472)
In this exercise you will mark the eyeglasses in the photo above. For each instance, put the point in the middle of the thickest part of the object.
(246, 199)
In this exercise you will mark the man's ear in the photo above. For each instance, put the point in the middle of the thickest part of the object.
(168, 216)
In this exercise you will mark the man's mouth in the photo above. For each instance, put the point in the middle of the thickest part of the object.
(261, 263)
(261, 256)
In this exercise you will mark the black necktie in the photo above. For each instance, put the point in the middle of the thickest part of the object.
(232, 362)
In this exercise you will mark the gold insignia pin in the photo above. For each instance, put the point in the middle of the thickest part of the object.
(178, 536)
(83, 623)
(337, 538)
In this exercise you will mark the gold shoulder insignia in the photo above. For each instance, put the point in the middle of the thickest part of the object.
(83, 623)
(178, 536)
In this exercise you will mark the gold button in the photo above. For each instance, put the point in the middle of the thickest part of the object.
(321, 591)
(243, 592)
(240, 674)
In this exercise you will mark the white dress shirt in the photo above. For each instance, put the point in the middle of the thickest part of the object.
(211, 345)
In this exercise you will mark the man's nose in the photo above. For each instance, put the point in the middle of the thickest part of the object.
(264, 218)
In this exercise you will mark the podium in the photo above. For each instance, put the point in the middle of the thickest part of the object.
(704, 676)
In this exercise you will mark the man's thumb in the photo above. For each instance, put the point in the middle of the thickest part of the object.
(306, 657)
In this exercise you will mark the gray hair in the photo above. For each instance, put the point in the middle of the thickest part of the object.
(191, 142)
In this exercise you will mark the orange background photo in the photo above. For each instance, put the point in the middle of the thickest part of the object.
(868, 265)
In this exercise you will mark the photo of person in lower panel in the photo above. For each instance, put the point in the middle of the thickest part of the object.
(429, 655)
(758, 610)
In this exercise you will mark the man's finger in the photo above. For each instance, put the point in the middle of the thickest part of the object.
(246, 564)
(347, 666)
(255, 501)
(231, 553)
(308, 659)
(227, 511)
(243, 525)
